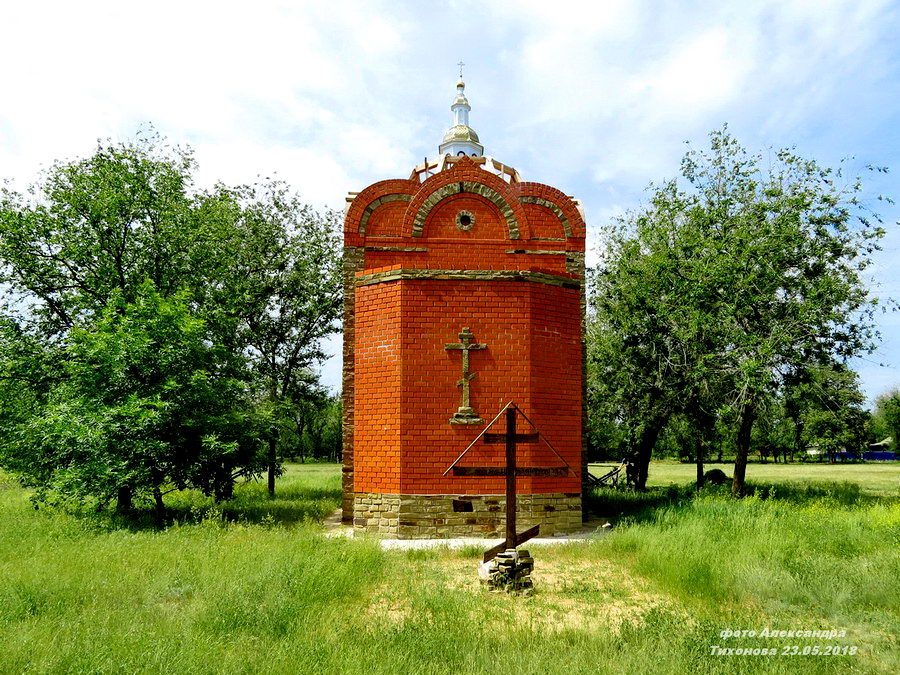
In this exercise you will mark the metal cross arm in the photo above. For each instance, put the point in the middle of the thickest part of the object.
(490, 439)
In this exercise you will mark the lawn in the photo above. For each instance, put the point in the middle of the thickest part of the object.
(256, 585)
(875, 478)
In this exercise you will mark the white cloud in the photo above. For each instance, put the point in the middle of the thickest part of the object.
(595, 97)
(245, 83)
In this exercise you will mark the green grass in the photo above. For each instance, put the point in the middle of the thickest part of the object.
(264, 590)
(305, 493)
(881, 478)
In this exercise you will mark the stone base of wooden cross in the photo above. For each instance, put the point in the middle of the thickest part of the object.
(466, 416)
(509, 571)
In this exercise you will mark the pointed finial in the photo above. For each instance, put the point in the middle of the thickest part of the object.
(461, 139)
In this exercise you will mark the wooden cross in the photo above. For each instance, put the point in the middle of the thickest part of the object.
(511, 471)
(465, 414)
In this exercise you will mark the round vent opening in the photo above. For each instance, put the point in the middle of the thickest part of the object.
(465, 220)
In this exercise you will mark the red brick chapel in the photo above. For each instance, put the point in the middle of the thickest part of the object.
(464, 290)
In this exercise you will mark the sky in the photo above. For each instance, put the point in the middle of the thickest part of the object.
(597, 98)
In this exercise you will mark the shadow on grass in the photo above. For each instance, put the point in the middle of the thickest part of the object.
(617, 503)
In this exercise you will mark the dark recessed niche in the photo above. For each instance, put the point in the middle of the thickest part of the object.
(462, 506)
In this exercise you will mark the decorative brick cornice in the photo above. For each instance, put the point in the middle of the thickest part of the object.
(471, 187)
(397, 274)
(398, 249)
(362, 206)
(519, 251)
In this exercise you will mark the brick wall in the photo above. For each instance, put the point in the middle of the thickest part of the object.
(515, 278)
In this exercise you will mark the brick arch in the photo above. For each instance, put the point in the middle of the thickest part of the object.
(473, 187)
(562, 206)
(465, 177)
(384, 199)
(546, 203)
(488, 221)
(365, 203)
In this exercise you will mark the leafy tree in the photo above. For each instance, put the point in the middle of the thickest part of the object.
(88, 253)
(322, 432)
(142, 407)
(791, 241)
(652, 327)
(887, 414)
(97, 226)
(773, 434)
(834, 419)
(630, 345)
(284, 282)
(723, 286)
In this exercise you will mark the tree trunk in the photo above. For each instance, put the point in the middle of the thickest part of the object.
(273, 459)
(748, 417)
(698, 457)
(125, 499)
(798, 441)
(645, 451)
(160, 506)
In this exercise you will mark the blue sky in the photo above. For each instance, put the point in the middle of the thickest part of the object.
(596, 98)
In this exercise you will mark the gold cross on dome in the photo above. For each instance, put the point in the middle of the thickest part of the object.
(465, 414)
(460, 64)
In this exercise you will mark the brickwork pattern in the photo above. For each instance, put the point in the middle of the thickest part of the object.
(413, 280)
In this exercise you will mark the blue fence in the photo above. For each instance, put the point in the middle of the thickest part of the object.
(869, 455)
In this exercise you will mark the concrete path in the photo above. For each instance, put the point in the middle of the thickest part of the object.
(462, 542)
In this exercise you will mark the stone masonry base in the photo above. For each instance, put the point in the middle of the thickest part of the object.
(443, 516)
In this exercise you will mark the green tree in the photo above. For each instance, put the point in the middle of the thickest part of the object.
(726, 283)
(285, 287)
(833, 415)
(321, 428)
(142, 407)
(791, 240)
(632, 353)
(252, 265)
(97, 226)
(652, 327)
(887, 414)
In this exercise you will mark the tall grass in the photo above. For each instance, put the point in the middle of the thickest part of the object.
(821, 556)
(205, 597)
(269, 592)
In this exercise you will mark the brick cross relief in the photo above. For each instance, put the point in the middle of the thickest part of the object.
(465, 414)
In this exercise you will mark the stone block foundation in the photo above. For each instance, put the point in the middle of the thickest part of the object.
(444, 516)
